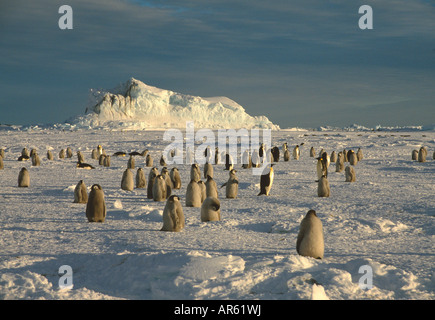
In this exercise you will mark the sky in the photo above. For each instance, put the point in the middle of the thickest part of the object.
(302, 63)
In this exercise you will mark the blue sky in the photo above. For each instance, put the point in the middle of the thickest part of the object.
(301, 63)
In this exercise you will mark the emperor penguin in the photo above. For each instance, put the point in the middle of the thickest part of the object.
(208, 170)
(173, 216)
(228, 162)
(359, 154)
(232, 185)
(127, 182)
(189, 156)
(101, 159)
(168, 181)
(296, 152)
(80, 157)
(203, 189)
(24, 178)
(322, 169)
(286, 152)
(141, 181)
(211, 187)
(333, 157)
(193, 194)
(174, 174)
(36, 161)
(149, 161)
(131, 163)
(106, 162)
(94, 154)
(210, 209)
(414, 154)
(422, 153)
(246, 160)
(96, 206)
(80, 193)
(352, 157)
(195, 172)
(83, 165)
(151, 178)
(326, 159)
(49, 155)
(323, 189)
(275, 154)
(69, 153)
(100, 150)
(255, 159)
(345, 158)
(312, 152)
(159, 189)
(162, 161)
(261, 151)
(62, 154)
(350, 174)
(32, 152)
(266, 181)
(120, 154)
(339, 165)
(25, 153)
(216, 156)
(310, 241)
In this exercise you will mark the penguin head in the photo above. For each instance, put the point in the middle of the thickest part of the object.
(174, 198)
(96, 187)
(311, 213)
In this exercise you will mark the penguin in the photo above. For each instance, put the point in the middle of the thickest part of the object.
(100, 150)
(173, 216)
(151, 178)
(24, 178)
(345, 158)
(96, 206)
(120, 154)
(106, 162)
(208, 170)
(312, 152)
(36, 161)
(189, 156)
(286, 152)
(62, 154)
(101, 159)
(49, 155)
(339, 165)
(159, 189)
(80, 157)
(131, 163)
(149, 161)
(168, 181)
(266, 181)
(310, 241)
(162, 161)
(322, 169)
(195, 172)
(422, 153)
(350, 174)
(203, 190)
(141, 181)
(25, 153)
(261, 150)
(216, 155)
(23, 158)
(94, 154)
(210, 210)
(82, 165)
(193, 194)
(321, 152)
(296, 152)
(80, 193)
(333, 157)
(174, 174)
(414, 154)
(323, 189)
(275, 154)
(211, 187)
(228, 162)
(127, 182)
(69, 153)
(246, 160)
(207, 154)
(352, 157)
(232, 185)
(255, 159)
(359, 154)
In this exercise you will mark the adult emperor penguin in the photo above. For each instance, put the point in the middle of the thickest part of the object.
(296, 152)
(25, 153)
(193, 194)
(195, 172)
(350, 174)
(174, 174)
(100, 150)
(286, 152)
(216, 156)
(352, 157)
(151, 178)
(339, 164)
(24, 178)
(228, 162)
(80, 193)
(49, 155)
(141, 181)
(310, 241)
(127, 182)
(149, 161)
(159, 189)
(210, 209)
(326, 159)
(422, 153)
(322, 169)
(36, 161)
(96, 206)
(106, 161)
(82, 165)
(266, 181)
(232, 185)
(101, 159)
(173, 216)
(211, 187)
(323, 189)
(94, 154)
(275, 154)
(208, 170)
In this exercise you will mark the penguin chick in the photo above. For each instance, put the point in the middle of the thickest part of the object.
(173, 216)
(310, 241)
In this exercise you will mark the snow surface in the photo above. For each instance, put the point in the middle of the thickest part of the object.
(136, 105)
(385, 220)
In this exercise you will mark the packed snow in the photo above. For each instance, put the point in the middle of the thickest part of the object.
(136, 105)
(384, 220)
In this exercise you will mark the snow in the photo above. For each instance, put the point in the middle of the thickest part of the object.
(136, 105)
(384, 220)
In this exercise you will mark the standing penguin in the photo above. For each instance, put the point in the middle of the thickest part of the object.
(131, 163)
(210, 209)
(159, 188)
(168, 181)
(173, 216)
(339, 165)
(422, 153)
(69, 153)
(359, 154)
(203, 189)
(275, 154)
(174, 174)
(193, 194)
(208, 170)
(36, 161)
(195, 172)
(149, 160)
(255, 159)
(232, 185)
(80, 157)
(80, 193)
(127, 182)
(141, 181)
(312, 152)
(323, 189)
(228, 162)
(151, 178)
(296, 152)
(106, 162)
(96, 206)
(414, 155)
(266, 181)
(49, 155)
(162, 161)
(246, 160)
(286, 152)
(350, 174)
(211, 187)
(94, 154)
(322, 169)
(62, 154)
(333, 157)
(216, 155)
(101, 159)
(24, 178)
(352, 157)
(310, 241)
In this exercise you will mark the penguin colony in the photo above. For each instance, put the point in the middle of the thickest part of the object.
(203, 193)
